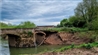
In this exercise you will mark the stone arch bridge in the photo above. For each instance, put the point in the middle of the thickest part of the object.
(27, 37)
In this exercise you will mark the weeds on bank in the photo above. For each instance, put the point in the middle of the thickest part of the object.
(87, 46)
(67, 29)
(72, 46)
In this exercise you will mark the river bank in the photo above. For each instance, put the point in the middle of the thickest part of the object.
(93, 51)
(83, 49)
(50, 38)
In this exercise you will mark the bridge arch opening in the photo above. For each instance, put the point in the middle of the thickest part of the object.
(40, 36)
(13, 40)
(49, 32)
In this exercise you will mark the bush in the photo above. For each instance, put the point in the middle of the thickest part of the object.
(95, 44)
(93, 25)
(72, 46)
(30, 34)
(67, 29)
(87, 46)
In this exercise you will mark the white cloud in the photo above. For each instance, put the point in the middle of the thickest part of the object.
(43, 8)
(38, 11)
(39, 21)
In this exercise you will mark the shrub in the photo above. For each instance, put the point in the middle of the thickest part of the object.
(30, 34)
(87, 46)
(93, 25)
(72, 46)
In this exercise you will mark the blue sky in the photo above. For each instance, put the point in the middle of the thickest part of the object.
(41, 12)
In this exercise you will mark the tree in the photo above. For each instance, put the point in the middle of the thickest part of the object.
(26, 24)
(76, 22)
(73, 21)
(64, 23)
(3, 25)
(94, 25)
(87, 10)
(58, 25)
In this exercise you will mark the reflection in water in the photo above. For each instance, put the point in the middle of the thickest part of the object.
(4, 48)
(31, 51)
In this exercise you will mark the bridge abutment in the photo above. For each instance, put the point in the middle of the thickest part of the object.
(30, 38)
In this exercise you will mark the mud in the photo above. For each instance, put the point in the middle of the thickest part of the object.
(93, 51)
(46, 38)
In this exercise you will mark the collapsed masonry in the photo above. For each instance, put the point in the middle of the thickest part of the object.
(44, 38)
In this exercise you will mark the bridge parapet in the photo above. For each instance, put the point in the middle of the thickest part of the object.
(14, 31)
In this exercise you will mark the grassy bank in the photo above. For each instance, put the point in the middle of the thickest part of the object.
(65, 48)
(67, 29)
(87, 46)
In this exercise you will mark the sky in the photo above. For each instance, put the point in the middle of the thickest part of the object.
(40, 12)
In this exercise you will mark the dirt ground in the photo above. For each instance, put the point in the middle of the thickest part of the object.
(93, 51)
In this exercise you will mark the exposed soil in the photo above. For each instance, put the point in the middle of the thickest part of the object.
(53, 39)
(64, 38)
(93, 51)
(48, 38)
(69, 38)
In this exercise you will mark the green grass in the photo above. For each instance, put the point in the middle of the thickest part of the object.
(67, 29)
(8, 27)
(72, 46)
(29, 33)
(87, 46)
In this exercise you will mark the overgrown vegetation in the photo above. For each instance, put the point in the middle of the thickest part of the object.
(84, 24)
(87, 46)
(68, 29)
(26, 24)
(4, 25)
(86, 16)
(30, 34)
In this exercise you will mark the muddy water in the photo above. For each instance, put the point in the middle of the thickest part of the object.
(31, 51)
(5, 50)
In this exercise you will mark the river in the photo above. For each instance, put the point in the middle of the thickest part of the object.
(4, 47)
(5, 50)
